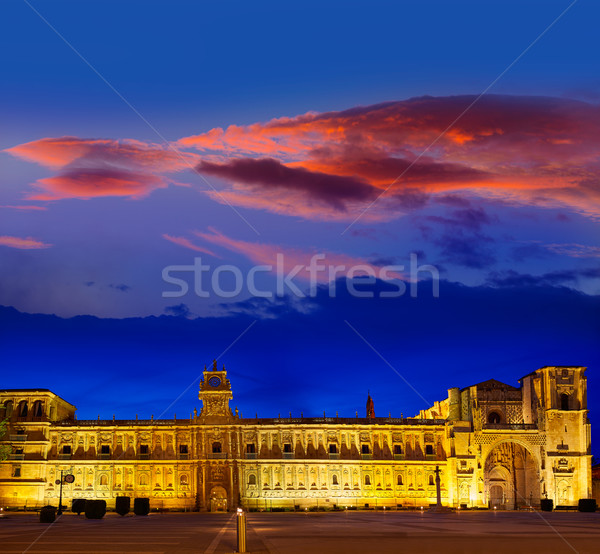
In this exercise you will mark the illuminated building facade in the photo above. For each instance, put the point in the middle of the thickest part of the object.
(496, 445)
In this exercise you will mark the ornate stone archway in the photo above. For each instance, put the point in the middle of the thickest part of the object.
(218, 499)
(511, 476)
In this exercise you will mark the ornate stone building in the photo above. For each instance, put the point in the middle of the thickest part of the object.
(495, 444)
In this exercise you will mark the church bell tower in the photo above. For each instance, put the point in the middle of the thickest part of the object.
(215, 393)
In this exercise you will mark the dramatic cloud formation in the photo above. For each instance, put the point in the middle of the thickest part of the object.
(522, 150)
(272, 174)
(22, 243)
(98, 167)
(527, 150)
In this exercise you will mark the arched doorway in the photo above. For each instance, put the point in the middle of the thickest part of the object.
(511, 477)
(218, 499)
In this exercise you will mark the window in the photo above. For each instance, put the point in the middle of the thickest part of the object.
(429, 449)
(367, 480)
(16, 472)
(143, 449)
(37, 409)
(183, 480)
(24, 409)
(8, 408)
(287, 447)
(364, 449)
(19, 451)
(66, 449)
(334, 480)
(103, 479)
(333, 448)
(397, 449)
(564, 401)
(20, 431)
(399, 480)
(431, 480)
(183, 449)
(494, 418)
(143, 480)
(251, 448)
(105, 449)
(216, 447)
(252, 479)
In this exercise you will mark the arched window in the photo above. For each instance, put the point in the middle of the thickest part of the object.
(37, 409)
(367, 479)
(397, 449)
(252, 479)
(564, 401)
(103, 479)
(364, 449)
(334, 480)
(143, 480)
(333, 448)
(216, 447)
(23, 409)
(399, 480)
(8, 408)
(494, 418)
(183, 479)
(431, 482)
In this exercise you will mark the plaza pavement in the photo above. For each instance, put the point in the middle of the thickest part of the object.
(313, 533)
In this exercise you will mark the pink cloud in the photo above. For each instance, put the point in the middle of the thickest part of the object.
(289, 258)
(186, 243)
(22, 243)
(26, 208)
(91, 168)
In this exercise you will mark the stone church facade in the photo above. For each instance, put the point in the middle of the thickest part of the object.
(495, 445)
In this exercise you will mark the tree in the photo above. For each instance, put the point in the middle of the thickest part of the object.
(4, 448)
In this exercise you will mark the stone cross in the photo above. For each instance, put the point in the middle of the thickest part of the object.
(437, 487)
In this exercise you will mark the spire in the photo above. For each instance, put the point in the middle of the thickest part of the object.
(370, 406)
(214, 368)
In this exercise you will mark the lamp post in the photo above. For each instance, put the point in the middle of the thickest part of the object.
(59, 513)
(68, 478)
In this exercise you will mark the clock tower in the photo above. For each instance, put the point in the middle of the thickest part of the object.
(215, 393)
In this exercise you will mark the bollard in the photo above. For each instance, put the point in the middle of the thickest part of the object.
(241, 530)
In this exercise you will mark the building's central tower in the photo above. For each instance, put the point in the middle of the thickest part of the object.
(215, 393)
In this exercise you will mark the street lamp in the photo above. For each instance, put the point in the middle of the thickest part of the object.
(68, 478)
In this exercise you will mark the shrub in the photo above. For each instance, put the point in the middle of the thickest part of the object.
(546, 504)
(95, 509)
(141, 506)
(587, 505)
(47, 514)
(122, 505)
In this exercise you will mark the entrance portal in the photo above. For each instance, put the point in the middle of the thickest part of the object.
(218, 499)
(511, 477)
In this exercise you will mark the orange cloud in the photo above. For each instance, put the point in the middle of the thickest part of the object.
(528, 150)
(523, 150)
(99, 167)
(96, 183)
(22, 243)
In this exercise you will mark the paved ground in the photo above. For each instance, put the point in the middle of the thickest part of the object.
(298, 533)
